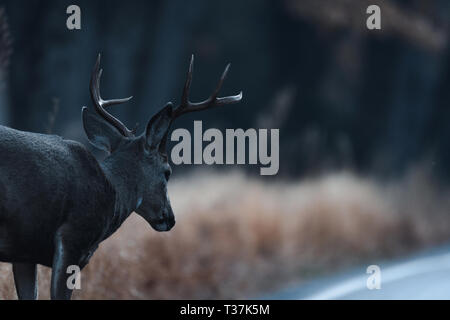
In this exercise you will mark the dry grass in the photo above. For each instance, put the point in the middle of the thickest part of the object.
(236, 237)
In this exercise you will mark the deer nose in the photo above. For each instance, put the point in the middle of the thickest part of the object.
(171, 222)
(169, 217)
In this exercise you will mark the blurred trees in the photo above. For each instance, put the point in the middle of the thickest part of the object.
(5, 53)
(341, 95)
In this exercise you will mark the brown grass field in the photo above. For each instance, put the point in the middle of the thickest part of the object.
(237, 237)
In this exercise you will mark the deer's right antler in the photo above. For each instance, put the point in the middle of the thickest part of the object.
(100, 104)
(213, 101)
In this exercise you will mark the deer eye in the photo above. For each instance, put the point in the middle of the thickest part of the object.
(167, 174)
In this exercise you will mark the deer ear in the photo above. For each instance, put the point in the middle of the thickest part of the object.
(100, 133)
(158, 126)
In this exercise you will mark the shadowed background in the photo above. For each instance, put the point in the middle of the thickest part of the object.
(364, 139)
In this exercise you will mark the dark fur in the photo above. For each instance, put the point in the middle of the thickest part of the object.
(57, 202)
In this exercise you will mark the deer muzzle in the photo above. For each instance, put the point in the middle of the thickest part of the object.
(165, 223)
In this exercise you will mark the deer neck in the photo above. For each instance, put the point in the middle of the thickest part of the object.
(126, 190)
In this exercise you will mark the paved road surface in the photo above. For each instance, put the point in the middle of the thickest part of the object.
(425, 275)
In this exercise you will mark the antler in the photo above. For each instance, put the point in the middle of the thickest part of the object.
(100, 104)
(213, 101)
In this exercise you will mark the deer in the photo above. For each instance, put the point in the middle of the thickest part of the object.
(58, 202)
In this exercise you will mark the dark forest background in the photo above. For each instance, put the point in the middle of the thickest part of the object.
(342, 96)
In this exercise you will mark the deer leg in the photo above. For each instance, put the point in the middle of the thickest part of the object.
(65, 255)
(25, 279)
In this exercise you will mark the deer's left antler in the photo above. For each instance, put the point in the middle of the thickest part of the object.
(213, 101)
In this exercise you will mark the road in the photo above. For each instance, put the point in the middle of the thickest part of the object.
(425, 275)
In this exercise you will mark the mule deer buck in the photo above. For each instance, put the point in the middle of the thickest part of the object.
(58, 203)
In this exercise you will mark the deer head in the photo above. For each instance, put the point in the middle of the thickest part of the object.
(138, 164)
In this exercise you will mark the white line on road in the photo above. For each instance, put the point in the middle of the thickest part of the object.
(390, 274)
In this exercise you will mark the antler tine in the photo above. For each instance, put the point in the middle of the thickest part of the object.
(219, 85)
(187, 85)
(213, 101)
(224, 100)
(100, 104)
